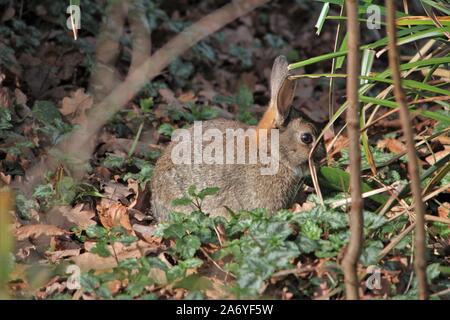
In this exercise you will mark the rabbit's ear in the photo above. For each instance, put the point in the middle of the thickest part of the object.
(282, 93)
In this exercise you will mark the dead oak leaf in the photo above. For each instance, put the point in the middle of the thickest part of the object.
(444, 210)
(393, 145)
(36, 230)
(113, 215)
(80, 217)
(432, 159)
(91, 261)
(75, 107)
(55, 256)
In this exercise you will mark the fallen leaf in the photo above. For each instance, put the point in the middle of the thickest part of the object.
(393, 145)
(90, 261)
(75, 107)
(146, 232)
(54, 256)
(187, 97)
(80, 217)
(114, 215)
(431, 159)
(444, 210)
(36, 230)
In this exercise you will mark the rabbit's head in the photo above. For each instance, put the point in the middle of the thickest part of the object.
(297, 136)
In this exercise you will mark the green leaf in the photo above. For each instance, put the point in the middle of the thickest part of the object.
(244, 55)
(146, 104)
(46, 112)
(433, 271)
(339, 180)
(43, 191)
(165, 129)
(104, 292)
(311, 230)
(185, 201)
(66, 190)
(194, 282)
(96, 231)
(174, 230)
(113, 161)
(5, 118)
(191, 263)
(24, 205)
(306, 245)
(192, 191)
(181, 70)
(175, 272)
(366, 63)
(135, 289)
(89, 282)
(369, 255)
(322, 16)
(101, 249)
(208, 192)
(188, 246)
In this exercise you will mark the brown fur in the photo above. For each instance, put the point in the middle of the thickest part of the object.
(241, 186)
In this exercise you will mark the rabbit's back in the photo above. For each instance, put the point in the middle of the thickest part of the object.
(241, 186)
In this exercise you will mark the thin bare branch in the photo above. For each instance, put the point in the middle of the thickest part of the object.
(413, 164)
(351, 258)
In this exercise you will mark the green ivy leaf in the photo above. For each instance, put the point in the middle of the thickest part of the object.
(101, 249)
(369, 255)
(188, 246)
(96, 231)
(43, 191)
(208, 192)
(113, 161)
(185, 201)
(46, 112)
(311, 230)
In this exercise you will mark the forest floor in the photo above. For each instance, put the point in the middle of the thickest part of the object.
(103, 223)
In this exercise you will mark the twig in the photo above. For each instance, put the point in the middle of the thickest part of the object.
(441, 293)
(216, 264)
(283, 273)
(413, 165)
(348, 201)
(351, 258)
(395, 241)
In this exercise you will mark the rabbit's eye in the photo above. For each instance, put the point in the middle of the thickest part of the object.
(306, 138)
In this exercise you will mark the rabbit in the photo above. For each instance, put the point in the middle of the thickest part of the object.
(241, 186)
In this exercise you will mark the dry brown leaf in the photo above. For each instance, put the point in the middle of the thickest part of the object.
(58, 255)
(36, 230)
(80, 217)
(444, 210)
(114, 215)
(114, 192)
(147, 232)
(75, 107)
(114, 286)
(21, 98)
(5, 178)
(393, 145)
(187, 97)
(90, 261)
(431, 159)
(6, 99)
